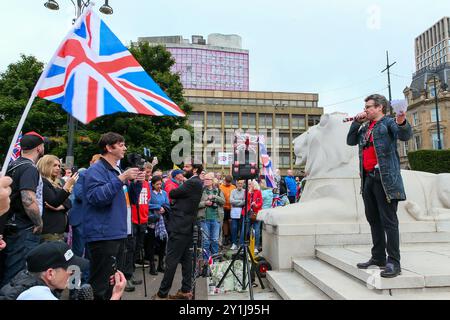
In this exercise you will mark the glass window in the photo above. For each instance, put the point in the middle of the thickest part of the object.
(416, 120)
(265, 120)
(248, 120)
(417, 142)
(432, 91)
(214, 120)
(433, 114)
(313, 120)
(434, 139)
(405, 148)
(285, 160)
(284, 140)
(231, 120)
(298, 122)
(282, 121)
(196, 118)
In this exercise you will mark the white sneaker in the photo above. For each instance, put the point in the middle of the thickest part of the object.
(234, 247)
(256, 251)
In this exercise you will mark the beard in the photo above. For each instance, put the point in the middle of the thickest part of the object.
(189, 173)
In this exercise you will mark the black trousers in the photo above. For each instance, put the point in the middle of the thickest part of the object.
(382, 217)
(178, 251)
(139, 231)
(153, 245)
(291, 199)
(103, 255)
(128, 257)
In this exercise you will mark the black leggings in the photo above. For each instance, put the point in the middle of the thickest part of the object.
(153, 245)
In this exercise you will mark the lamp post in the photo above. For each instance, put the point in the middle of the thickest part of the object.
(437, 113)
(80, 5)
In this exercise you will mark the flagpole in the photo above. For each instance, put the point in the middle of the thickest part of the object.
(31, 100)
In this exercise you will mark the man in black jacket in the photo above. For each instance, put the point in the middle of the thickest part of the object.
(186, 199)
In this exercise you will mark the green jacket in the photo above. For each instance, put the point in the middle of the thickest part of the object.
(220, 200)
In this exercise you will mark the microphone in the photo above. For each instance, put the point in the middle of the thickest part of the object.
(348, 119)
(85, 292)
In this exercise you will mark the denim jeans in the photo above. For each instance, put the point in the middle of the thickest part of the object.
(235, 223)
(210, 237)
(17, 248)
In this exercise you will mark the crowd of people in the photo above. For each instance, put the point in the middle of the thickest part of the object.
(119, 219)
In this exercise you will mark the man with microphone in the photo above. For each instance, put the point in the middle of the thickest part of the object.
(381, 181)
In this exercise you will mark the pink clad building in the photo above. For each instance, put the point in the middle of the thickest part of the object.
(217, 64)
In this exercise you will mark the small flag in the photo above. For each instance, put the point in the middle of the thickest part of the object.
(17, 149)
(267, 163)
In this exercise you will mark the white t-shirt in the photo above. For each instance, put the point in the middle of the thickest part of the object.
(37, 293)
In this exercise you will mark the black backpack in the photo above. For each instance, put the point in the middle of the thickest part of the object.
(20, 283)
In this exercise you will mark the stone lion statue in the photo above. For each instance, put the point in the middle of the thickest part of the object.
(332, 191)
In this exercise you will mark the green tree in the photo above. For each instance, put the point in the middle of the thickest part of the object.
(46, 118)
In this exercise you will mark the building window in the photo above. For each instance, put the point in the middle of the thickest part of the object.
(196, 119)
(405, 148)
(434, 140)
(417, 142)
(282, 121)
(248, 120)
(416, 120)
(214, 120)
(284, 140)
(298, 122)
(433, 114)
(432, 90)
(285, 160)
(313, 120)
(231, 120)
(265, 120)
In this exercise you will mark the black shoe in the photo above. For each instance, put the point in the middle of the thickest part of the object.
(135, 281)
(371, 262)
(153, 271)
(391, 271)
(161, 267)
(129, 287)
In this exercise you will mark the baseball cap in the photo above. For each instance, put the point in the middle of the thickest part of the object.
(175, 172)
(53, 254)
(31, 140)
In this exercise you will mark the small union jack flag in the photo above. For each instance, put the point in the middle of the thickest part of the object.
(17, 149)
(93, 74)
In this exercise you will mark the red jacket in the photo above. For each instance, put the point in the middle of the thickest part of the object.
(144, 198)
(170, 185)
(255, 196)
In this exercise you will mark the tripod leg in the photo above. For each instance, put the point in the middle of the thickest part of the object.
(248, 265)
(141, 257)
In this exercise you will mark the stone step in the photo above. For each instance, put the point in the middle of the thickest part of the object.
(346, 260)
(292, 286)
(335, 283)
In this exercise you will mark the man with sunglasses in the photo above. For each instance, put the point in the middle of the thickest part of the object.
(381, 182)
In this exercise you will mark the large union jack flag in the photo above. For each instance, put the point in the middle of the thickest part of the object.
(93, 74)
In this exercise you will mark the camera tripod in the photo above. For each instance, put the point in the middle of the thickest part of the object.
(248, 261)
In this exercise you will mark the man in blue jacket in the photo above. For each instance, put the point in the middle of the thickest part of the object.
(107, 212)
(381, 181)
(291, 186)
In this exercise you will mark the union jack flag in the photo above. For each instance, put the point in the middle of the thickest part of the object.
(17, 149)
(267, 169)
(93, 74)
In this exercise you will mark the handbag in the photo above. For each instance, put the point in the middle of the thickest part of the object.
(253, 216)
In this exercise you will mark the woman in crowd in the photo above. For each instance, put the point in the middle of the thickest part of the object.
(210, 215)
(56, 202)
(237, 200)
(254, 205)
(159, 207)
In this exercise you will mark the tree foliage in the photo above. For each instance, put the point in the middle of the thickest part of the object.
(17, 83)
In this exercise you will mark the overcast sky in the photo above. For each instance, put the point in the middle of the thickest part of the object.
(334, 48)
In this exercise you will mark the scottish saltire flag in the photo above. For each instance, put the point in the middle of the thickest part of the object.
(93, 74)
(267, 169)
(17, 149)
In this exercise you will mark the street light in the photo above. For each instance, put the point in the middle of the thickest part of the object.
(106, 9)
(52, 5)
(437, 113)
(80, 5)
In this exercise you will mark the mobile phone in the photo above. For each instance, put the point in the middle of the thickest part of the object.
(114, 265)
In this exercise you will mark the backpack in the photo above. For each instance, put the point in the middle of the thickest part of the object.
(20, 283)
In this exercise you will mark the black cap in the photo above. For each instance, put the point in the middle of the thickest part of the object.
(53, 254)
(31, 140)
